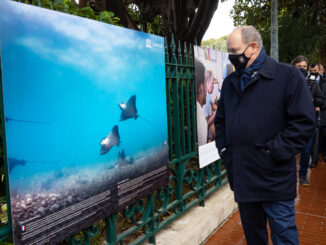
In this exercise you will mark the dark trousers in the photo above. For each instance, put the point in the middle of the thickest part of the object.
(305, 157)
(281, 219)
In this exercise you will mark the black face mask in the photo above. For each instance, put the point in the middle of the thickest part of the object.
(304, 72)
(239, 61)
(316, 74)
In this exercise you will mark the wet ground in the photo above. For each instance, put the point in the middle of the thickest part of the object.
(310, 215)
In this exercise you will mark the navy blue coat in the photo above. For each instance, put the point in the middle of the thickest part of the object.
(263, 128)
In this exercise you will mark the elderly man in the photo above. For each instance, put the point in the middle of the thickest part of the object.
(265, 116)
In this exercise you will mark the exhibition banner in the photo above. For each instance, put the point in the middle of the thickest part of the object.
(216, 67)
(85, 119)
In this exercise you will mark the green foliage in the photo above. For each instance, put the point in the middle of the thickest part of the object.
(301, 25)
(3, 212)
(70, 7)
(108, 17)
(145, 20)
(155, 27)
(2, 199)
(218, 44)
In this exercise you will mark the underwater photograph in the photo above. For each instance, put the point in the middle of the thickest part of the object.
(85, 119)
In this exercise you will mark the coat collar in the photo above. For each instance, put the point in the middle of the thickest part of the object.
(235, 81)
(268, 69)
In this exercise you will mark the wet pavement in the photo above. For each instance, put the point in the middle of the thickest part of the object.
(310, 215)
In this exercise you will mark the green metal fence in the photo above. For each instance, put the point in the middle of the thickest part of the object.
(188, 186)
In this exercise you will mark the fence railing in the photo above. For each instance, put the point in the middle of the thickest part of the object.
(188, 185)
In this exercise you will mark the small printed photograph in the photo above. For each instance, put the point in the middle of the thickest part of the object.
(212, 67)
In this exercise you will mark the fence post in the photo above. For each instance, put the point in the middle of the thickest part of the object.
(151, 225)
(176, 126)
(111, 229)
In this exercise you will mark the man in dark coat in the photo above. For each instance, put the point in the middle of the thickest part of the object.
(265, 117)
(314, 70)
(318, 99)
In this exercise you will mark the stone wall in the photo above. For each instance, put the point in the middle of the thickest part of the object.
(198, 224)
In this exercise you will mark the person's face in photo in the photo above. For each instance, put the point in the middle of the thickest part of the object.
(202, 90)
(210, 86)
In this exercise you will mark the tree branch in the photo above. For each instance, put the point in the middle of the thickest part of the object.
(119, 9)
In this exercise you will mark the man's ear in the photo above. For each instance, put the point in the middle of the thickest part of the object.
(254, 46)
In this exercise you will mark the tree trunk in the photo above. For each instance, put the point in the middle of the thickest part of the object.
(188, 20)
(119, 9)
(274, 31)
(82, 3)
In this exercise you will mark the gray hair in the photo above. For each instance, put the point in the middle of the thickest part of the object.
(250, 34)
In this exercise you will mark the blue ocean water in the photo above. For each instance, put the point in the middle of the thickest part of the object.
(66, 76)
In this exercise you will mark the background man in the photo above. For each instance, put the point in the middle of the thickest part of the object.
(301, 62)
(201, 90)
(315, 72)
(265, 116)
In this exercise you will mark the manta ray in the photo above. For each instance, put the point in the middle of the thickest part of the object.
(128, 110)
(13, 162)
(122, 160)
(109, 141)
